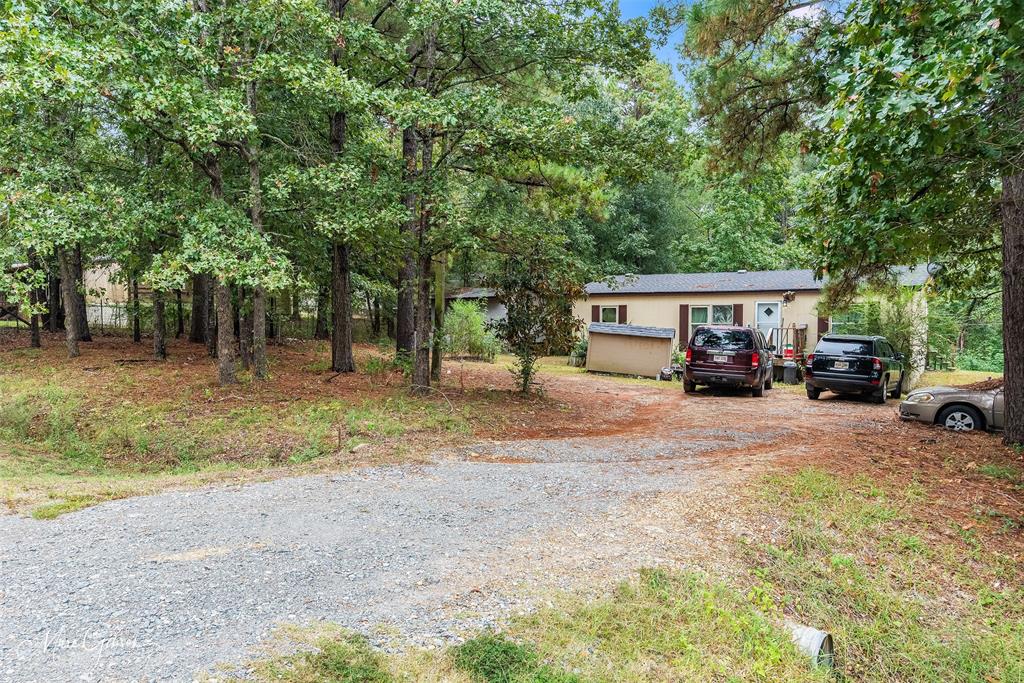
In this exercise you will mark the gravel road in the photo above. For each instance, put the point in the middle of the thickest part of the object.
(168, 586)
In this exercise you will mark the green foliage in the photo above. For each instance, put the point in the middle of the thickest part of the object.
(892, 314)
(493, 658)
(466, 333)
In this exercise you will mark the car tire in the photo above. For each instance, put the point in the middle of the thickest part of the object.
(898, 391)
(689, 387)
(757, 391)
(813, 393)
(768, 383)
(880, 394)
(960, 418)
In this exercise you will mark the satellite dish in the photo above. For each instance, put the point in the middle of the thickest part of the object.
(935, 268)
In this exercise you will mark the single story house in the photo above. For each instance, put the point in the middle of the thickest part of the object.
(485, 296)
(781, 303)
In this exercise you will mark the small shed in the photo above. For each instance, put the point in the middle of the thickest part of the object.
(629, 349)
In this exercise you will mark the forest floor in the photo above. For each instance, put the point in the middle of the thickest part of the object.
(475, 509)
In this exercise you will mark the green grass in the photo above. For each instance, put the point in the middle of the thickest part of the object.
(659, 627)
(1007, 472)
(954, 378)
(57, 444)
(855, 559)
(345, 659)
(558, 366)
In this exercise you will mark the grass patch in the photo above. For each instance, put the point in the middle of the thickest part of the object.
(659, 627)
(1006, 472)
(73, 503)
(854, 561)
(346, 659)
(954, 378)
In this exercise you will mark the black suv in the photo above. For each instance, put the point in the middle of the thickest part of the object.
(848, 364)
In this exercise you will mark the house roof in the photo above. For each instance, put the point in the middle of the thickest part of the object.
(472, 293)
(633, 330)
(735, 281)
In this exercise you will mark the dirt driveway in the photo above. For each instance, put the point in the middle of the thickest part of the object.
(162, 587)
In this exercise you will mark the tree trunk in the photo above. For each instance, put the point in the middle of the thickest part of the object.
(181, 315)
(68, 295)
(225, 333)
(159, 326)
(35, 297)
(197, 329)
(246, 333)
(260, 365)
(1013, 306)
(54, 304)
(341, 310)
(80, 310)
(211, 318)
(424, 313)
(296, 311)
(405, 323)
(320, 329)
(436, 352)
(136, 312)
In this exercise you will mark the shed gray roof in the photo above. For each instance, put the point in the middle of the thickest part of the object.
(472, 293)
(633, 330)
(735, 281)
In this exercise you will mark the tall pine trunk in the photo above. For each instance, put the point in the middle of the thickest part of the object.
(341, 276)
(341, 310)
(320, 328)
(245, 328)
(225, 333)
(136, 312)
(1013, 306)
(35, 297)
(181, 315)
(54, 304)
(80, 310)
(159, 326)
(439, 276)
(197, 328)
(68, 294)
(259, 295)
(404, 321)
(424, 314)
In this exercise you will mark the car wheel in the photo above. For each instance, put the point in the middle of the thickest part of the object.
(898, 391)
(769, 382)
(960, 418)
(689, 387)
(813, 393)
(879, 395)
(757, 391)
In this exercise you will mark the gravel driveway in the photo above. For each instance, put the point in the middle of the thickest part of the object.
(168, 586)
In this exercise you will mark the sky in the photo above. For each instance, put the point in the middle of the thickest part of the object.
(639, 8)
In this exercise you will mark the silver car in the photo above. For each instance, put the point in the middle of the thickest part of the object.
(957, 408)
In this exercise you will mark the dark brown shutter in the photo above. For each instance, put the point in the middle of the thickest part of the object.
(822, 326)
(622, 314)
(595, 314)
(684, 321)
(737, 314)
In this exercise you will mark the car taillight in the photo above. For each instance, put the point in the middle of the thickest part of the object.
(807, 366)
(755, 359)
(689, 354)
(876, 363)
(810, 358)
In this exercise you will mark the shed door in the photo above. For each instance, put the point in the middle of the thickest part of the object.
(769, 317)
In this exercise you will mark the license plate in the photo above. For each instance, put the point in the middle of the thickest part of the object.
(841, 365)
(721, 359)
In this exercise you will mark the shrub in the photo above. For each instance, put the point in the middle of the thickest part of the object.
(466, 332)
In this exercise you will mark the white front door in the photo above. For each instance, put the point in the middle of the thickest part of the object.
(769, 317)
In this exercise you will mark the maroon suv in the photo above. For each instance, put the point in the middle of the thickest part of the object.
(728, 355)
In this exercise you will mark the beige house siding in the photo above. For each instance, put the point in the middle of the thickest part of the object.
(628, 355)
(662, 310)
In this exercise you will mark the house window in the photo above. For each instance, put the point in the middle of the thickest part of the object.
(721, 315)
(698, 316)
(609, 314)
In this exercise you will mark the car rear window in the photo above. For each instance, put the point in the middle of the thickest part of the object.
(845, 347)
(732, 340)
